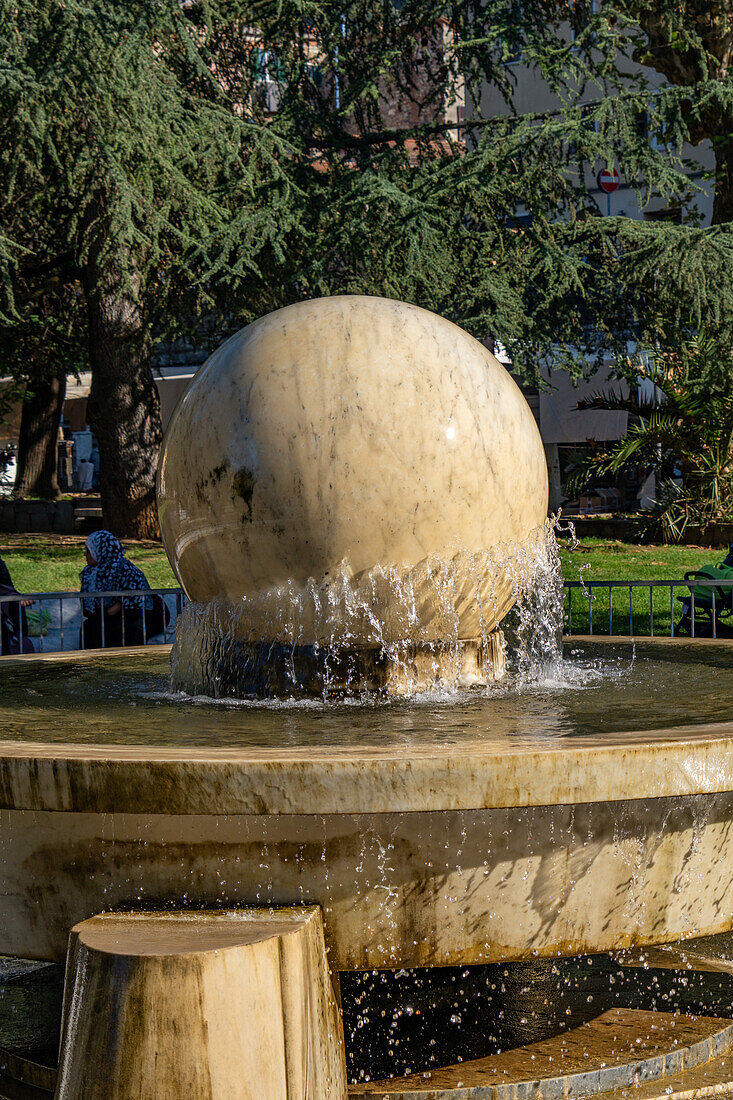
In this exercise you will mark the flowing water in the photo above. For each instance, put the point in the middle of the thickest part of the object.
(325, 638)
(603, 690)
(600, 689)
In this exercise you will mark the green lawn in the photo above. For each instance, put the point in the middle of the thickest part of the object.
(41, 563)
(596, 560)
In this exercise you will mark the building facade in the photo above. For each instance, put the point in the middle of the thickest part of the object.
(566, 431)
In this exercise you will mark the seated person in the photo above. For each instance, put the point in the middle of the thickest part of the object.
(13, 623)
(108, 570)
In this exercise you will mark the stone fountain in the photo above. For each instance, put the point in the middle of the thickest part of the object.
(332, 488)
(350, 494)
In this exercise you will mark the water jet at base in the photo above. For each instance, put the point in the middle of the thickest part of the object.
(389, 632)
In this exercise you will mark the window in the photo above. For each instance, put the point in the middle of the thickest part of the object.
(583, 9)
(315, 74)
(267, 71)
(520, 221)
(641, 124)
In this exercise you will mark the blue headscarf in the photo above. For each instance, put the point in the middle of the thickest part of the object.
(112, 572)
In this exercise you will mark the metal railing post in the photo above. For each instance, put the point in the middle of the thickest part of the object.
(692, 587)
(610, 610)
(61, 636)
(692, 615)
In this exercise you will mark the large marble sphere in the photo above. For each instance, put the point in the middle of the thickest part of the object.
(345, 429)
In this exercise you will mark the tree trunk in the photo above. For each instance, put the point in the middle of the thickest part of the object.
(124, 406)
(723, 201)
(37, 442)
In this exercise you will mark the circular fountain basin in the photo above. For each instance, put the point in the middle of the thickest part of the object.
(566, 818)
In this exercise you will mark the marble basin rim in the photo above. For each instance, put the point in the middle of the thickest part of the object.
(467, 775)
(71, 778)
(428, 855)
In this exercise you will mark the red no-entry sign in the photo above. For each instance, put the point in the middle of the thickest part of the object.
(609, 180)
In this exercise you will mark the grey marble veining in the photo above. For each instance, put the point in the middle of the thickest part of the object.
(348, 433)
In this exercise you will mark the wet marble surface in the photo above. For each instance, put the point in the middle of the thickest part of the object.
(471, 848)
(205, 1006)
(306, 780)
(616, 1050)
(415, 889)
(556, 746)
(346, 433)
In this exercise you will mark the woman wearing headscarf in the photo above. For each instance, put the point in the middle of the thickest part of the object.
(114, 620)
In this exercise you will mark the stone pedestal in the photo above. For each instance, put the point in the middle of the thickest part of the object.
(202, 1005)
(209, 661)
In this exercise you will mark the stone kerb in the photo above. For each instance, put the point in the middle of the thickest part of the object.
(235, 1005)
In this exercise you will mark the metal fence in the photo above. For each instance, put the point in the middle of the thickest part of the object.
(64, 621)
(695, 607)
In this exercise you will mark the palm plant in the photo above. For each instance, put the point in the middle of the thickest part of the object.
(681, 427)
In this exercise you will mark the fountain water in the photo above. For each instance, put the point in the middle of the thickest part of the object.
(352, 493)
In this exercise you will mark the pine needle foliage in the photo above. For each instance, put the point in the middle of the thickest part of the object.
(173, 163)
(138, 128)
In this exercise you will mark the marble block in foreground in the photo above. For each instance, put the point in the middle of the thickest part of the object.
(207, 1006)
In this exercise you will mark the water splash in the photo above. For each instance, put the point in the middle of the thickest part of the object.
(533, 629)
(432, 626)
